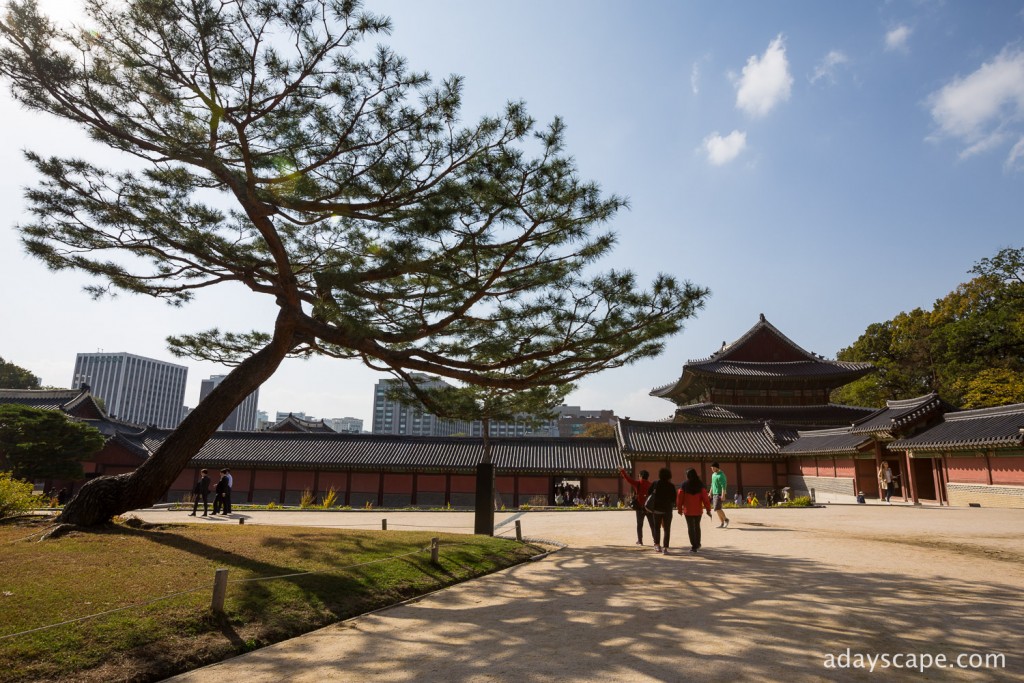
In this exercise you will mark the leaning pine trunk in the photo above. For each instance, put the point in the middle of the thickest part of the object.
(100, 499)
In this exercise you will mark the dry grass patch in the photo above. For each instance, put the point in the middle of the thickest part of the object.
(325, 575)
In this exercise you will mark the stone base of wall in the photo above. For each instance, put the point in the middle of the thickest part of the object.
(826, 489)
(985, 495)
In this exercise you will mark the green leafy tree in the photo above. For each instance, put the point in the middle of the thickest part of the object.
(273, 154)
(597, 430)
(484, 404)
(44, 444)
(16, 496)
(14, 377)
(969, 347)
(900, 351)
(992, 387)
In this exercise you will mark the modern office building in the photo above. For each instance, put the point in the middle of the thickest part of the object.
(243, 418)
(394, 417)
(573, 420)
(345, 425)
(134, 388)
(390, 417)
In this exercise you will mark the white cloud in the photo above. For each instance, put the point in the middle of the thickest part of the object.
(896, 39)
(695, 78)
(827, 67)
(1016, 156)
(986, 108)
(722, 150)
(765, 80)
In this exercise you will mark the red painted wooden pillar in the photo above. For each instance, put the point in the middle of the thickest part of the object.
(908, 475)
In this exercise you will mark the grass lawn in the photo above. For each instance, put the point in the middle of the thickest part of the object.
(124, 565)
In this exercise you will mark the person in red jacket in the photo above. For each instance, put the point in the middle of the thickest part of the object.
(641, 487)
(691, 498)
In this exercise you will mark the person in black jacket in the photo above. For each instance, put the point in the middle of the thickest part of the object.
(662, 503)
(222, 490)
(201, 490)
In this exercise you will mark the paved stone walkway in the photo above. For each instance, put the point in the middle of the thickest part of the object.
(771, 598)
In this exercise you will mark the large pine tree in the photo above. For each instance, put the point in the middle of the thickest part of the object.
(276, 155)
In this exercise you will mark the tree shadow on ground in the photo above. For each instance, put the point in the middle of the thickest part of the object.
(613, 613)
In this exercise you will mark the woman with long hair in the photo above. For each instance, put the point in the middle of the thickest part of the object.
(660, 501)
(691, 498)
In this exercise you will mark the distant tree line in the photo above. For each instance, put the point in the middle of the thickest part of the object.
(969, 347)
(15, 377)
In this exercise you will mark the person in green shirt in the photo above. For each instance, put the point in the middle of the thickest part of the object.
(718, 485)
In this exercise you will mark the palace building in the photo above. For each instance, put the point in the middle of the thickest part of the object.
(764, 376)
(759, 406)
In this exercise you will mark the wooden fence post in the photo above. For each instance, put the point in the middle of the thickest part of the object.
(383, 525)
(519, 531)
(220, 590)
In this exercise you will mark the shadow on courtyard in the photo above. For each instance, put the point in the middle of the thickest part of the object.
(601, 613)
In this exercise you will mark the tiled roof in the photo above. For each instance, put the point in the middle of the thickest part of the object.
(697, 439)
(399, 453)
(79, 404)
(793, 369)
(746, 359)
(50, 399)
(898, 415)
(830, 413)
(291, 423)
(970, 430)
(829, 441)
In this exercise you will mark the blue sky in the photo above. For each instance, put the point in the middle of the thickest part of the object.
(828, 164)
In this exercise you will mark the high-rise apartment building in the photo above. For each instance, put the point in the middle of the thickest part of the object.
(394, 417)
(134, 388)
(243, 418)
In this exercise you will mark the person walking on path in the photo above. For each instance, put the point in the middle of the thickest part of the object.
(221, 490)
(886, 481)
(691, 501)
(201, 490)
(641, 487)
(662, 500)
(718, 486)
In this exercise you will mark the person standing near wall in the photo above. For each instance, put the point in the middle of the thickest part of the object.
(886, 481)
(718, 487)
(640, 488)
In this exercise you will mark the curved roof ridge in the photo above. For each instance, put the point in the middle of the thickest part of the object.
(1010, 409)
(908, 402)
(761, 324)
(811, 433)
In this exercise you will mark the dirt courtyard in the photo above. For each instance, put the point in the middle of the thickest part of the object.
(781, 595)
